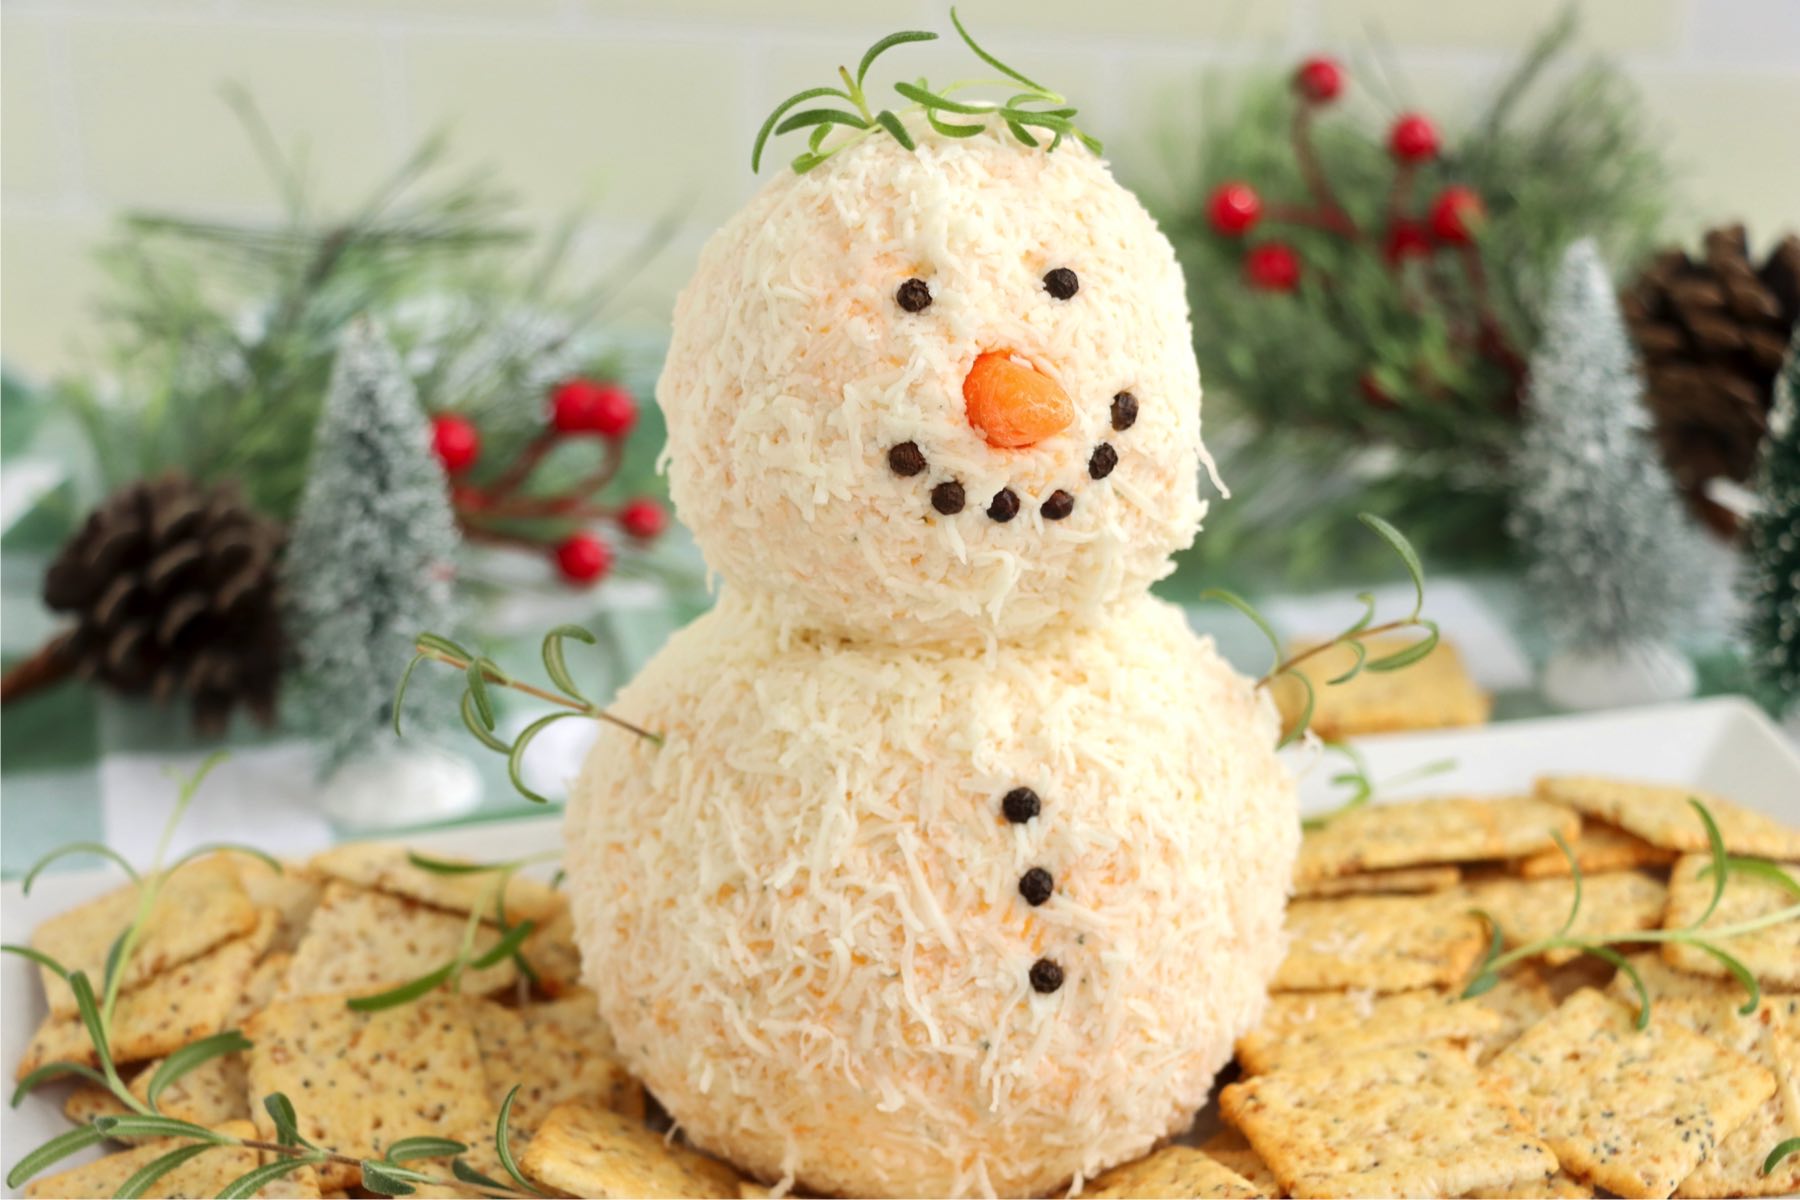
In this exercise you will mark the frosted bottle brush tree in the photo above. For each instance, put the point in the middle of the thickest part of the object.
(1774, 568)
(1613, 562)
(370, 562)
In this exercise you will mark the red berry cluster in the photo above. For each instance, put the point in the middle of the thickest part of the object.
(494, 510)
(1235, 208)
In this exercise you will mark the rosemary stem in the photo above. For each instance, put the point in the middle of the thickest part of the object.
(352, 1161)
(587, 710)
(1281, 668)
(1720, 933)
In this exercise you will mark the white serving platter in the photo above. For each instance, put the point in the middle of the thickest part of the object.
(1721, 745)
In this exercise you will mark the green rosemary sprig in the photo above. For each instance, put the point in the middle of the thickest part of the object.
(1353, 637)
(387, 1175)
(1487, 973)
(1780, 1152)
(478, 705)
(1034, 107)
(1362, 785)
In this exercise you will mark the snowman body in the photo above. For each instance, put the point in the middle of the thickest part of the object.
(962, 862)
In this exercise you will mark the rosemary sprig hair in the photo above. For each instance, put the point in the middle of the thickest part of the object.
(478, 704)
(1603, 946)
(388, 1175)
(1354, 637)
(1030, 105)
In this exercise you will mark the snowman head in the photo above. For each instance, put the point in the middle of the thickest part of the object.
(937, 394)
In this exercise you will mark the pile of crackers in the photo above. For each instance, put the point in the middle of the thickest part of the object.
(1369, 1077)
(234, 944)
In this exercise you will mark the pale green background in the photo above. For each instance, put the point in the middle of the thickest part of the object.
(629, 107)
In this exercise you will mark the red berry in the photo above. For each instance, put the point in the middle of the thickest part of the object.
(587, 406)
(1455, 214)
(1234, 208)
(643, 518)
(1407, 239)
(1272, 267)
(456, 441)
(1320, 79)
(1414, 138)
(583, 558)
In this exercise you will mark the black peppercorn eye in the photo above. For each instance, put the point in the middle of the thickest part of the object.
(906, 459)
(1004, 507)
(947, 497)
(1061, 283)
(1020, 805)
(1059, 505)
(1102, 461)
(1124, 411)
(1046, 976)
(1036, 885)
(914, 295)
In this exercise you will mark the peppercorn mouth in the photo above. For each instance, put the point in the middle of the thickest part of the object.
(949, 497)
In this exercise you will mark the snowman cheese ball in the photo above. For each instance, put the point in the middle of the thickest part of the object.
(962, 861)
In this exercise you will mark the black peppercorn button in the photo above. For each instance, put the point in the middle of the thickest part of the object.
(1036, 885)
(1102, 461)
(914, 296)
(1046, 976)
(1005, 505)
(1124, 410)
(906, 459)
(1020, 805)
(947, 497)
(1061, 283)
(1059, 505)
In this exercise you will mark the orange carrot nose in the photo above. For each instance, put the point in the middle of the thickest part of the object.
(1012, 404)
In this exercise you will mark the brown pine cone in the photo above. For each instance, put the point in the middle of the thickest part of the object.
(173, 589)
(1711, 332)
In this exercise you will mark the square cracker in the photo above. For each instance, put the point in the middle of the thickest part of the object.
(293, 892)
(1600, 848)
(1433, 693)
(1631, 1111)
(1663, 817)
(1448, 829)
(1399, 881)
(1231, 1148)
(1520, 1000)
(588, 1150)
(1560, 1186)
(200, 905)
(386, 867)
(1382, 943)
(1665, 982)
(1406, 1121)
(181, 1005)
(1174, 1171)
(361, 1080)
(361, 942)
(203, 1175)
(1769, 1036)
(1773, 954)
(1530, 909)
(575, 1015)
(548, 1067)
(1304, 1028)
(554, 957)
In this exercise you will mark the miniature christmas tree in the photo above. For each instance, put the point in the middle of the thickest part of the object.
(369, 561)
(1613, 559)
(1774, 575)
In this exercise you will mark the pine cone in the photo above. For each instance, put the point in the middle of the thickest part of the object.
(1712, 332)
(173, 588)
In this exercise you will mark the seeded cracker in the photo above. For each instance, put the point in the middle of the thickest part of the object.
(575, 1015)
(1560, 1186)
(548, 1067)
(1381, 943)
(361, 942)
(586, 1150)
(181, 1005)
(1631, 1111)
(385, 867)
(1231, 1148)
(1435, 692)
(1423, 832)
(1173, 1171)
(204, 1175)
(1407, 1121)
(360, 1080)
(293, 892)
(1663, 816)
(1401, 881)
(1770, 1036)
(1773, 954)
(1529, 909)
(201, 905)
(1520, 1000)
(1599, 849)
(1305, 1028)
